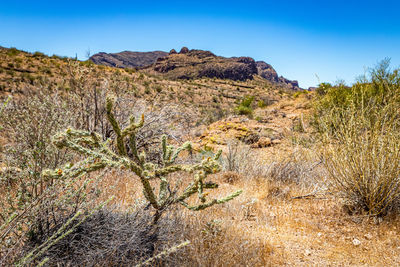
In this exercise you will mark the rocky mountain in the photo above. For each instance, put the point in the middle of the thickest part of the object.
(193, 64)
(266, 71)
(127, 59)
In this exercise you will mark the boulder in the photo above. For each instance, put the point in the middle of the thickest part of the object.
(184, 50)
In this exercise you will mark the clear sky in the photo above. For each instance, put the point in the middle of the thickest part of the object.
(310, 41)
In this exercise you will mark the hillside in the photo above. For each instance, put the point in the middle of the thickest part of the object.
(210, 99)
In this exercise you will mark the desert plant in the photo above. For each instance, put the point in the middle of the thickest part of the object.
(108, 237)
(12, 51)
(31, 206)
(99, 155)
(360, 129)
(241, 159)
(363, 159)
(244, 108)
(3, 106)
(379, 88)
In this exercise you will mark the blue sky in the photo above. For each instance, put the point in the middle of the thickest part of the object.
(310, 41)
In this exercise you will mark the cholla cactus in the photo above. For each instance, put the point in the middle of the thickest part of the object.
(99, 155)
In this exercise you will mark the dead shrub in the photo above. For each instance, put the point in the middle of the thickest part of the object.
(240, 158)
(294, 168)
(112, 238)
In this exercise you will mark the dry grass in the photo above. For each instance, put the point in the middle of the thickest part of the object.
(363, 159)
(263, 228)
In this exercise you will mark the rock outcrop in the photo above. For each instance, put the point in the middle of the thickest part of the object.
(266, 71)
(127, 59)
(192, 64)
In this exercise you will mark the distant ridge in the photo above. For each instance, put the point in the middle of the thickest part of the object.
(193, 64)
(127, 59)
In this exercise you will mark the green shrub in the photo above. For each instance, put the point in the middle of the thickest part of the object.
(299, 93)
(244, 108)
(13, 51)
(261, 104)
(87, 63)
(38, 54)
(379, 89)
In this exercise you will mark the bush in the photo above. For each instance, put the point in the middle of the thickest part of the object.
(363, 159)
(99, 155)
(360, 128)
(43, 207)
(379, 89)
(112, 238)
(38, 54)
(261, 104)
(13, 51)
(295, 168)
(244, 108)
(31, 206)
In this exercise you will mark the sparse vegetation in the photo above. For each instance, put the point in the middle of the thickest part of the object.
(319, 169)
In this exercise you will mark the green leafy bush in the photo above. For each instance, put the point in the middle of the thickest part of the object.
(13, 51)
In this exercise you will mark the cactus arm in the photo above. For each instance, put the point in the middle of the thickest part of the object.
(115, 126)
(185, 146)
(212, 202)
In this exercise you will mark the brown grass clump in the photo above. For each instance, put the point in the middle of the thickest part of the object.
(230, 177)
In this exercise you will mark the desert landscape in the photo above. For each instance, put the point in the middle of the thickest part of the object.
(294, 197)
(219, 134)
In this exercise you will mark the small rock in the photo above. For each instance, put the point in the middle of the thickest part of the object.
(356, 242)
(368, 236)
(319, 234)
(307, 252)
(276, 141)
(264, 142)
